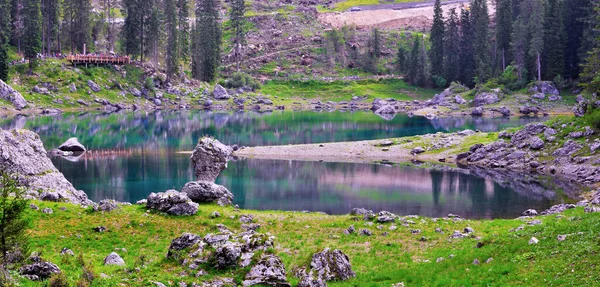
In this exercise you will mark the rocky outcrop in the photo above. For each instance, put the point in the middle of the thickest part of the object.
(268, 271)
(73, 145)
(545, 88)
(209, 158)
(172, 202)
(327, 266)
(9, 94)
(485, 98)
(205, 192)
(23, 154)
(40, 270)
(223, 250)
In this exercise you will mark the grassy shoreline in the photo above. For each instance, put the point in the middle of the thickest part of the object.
(378, 260)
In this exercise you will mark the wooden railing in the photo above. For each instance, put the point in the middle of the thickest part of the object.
(93, 59)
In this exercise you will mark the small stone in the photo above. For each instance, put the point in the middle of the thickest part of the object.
(440, 259)
(365, 232)
(350, 230)
(533, 241)
(114, 259)
(415, 231)
(561, 237)
(489, 260)
(66, 251)
(100, 229)
(33, 206)
(469, 230)
(530, 212)
(47, 210)
(215, 214)
(476, 262)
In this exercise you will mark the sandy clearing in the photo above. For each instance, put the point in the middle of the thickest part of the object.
(413, 18)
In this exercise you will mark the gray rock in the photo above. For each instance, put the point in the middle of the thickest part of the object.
(485, 98)
(533, 241)
(536, 143)
(93, 86)
(209, 158)
(477, 112)
(459, 100)
(554, 98)
(365, 232)
(22, 153)
(417, 150)
(559, 208)
(538, 96)
(544, 87)
(561, 237)
(247, 218)
(106, 205)
(268, 271)
(378, 104)
(220, 93)
(228, 255)
(332, 265)
(157, 102)
(387, 112)
(39, 270)
(72, 88)
(47, 210)
(204, 192)
(469, 230)
(100, 229)
(308, 279)
(182, 242)
(135, 92)
(9, 94)
(172, 202)
(114, 259)
(530, 212)
(66, 251)
(350, 230)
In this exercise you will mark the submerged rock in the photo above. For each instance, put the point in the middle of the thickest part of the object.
(204, 192)
(23, 154)
(209, 158)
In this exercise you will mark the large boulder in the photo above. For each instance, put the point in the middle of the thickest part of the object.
(332, 265)
(209, 159)
(220, 93)
(23, 154)
(182, 242)
(93, 86)
(204, 192)
(39, 270)
(228, 255)
(544, 87)
(482, 99)
(268, 271)
(73, 145)
(378, 104)
(172, 202)
(9, 94)
(114, 259)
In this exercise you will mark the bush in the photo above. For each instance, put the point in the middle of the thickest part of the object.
(13, 223)
(559, 82)
(239, 80)
(439, 81)
(510, 78)
(58, 280)
(149, 83)
(592, 118)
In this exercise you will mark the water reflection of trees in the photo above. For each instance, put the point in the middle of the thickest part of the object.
(181, 129)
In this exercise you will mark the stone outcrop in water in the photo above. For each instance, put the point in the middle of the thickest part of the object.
(11, 95)
(205, 192)
(209, 158)
(73, 145)
(22, 153)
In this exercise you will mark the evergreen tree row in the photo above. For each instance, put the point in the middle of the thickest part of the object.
(540, 39)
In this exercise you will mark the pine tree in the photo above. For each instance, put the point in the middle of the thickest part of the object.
(480, 22)
(78, 27)
(574, 12)
(417, 74)
(591, 68)
(452, 48)
(172, 59)
(437, 41)
(401, 59)
(535, 10)
(4, 36)
(373, 52)
(132, 27)
(554, 40)
(17, 23)
(50, 14)
(207, 40)
(153, 31)
(32, 33)
(13, 222)
(520, 43)
(504, 24)
(238, 9)
(467, 53)
(183, 15)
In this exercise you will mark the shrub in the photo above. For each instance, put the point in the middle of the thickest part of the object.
(439, 81)
(58, 280)
(239, 80)
(510, 78)
(559, 82)
(592, 118)
(149, 83)
(13, 223)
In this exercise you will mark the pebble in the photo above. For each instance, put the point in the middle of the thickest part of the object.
(533, 240)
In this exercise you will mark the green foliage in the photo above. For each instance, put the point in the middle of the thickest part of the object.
(58, 280)
(417, 73)
(149, 83)
(13, 223)
(591, 71)
(207, 37)
(32, 42)
(5, 28)
(183, 15)
(452, 64)
(172, 57)
(239, 80)
(373, 52)
(236, 16)
(504, 25)
(439, 81)
(511, 80)
(436, 53)
(480, 21)
(78, 24)
(467, 58)
(559, 82)
(554, 39)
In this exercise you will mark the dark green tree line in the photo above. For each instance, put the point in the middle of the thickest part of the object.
(207, 41)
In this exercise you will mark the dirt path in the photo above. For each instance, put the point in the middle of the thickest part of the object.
(419, 16)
